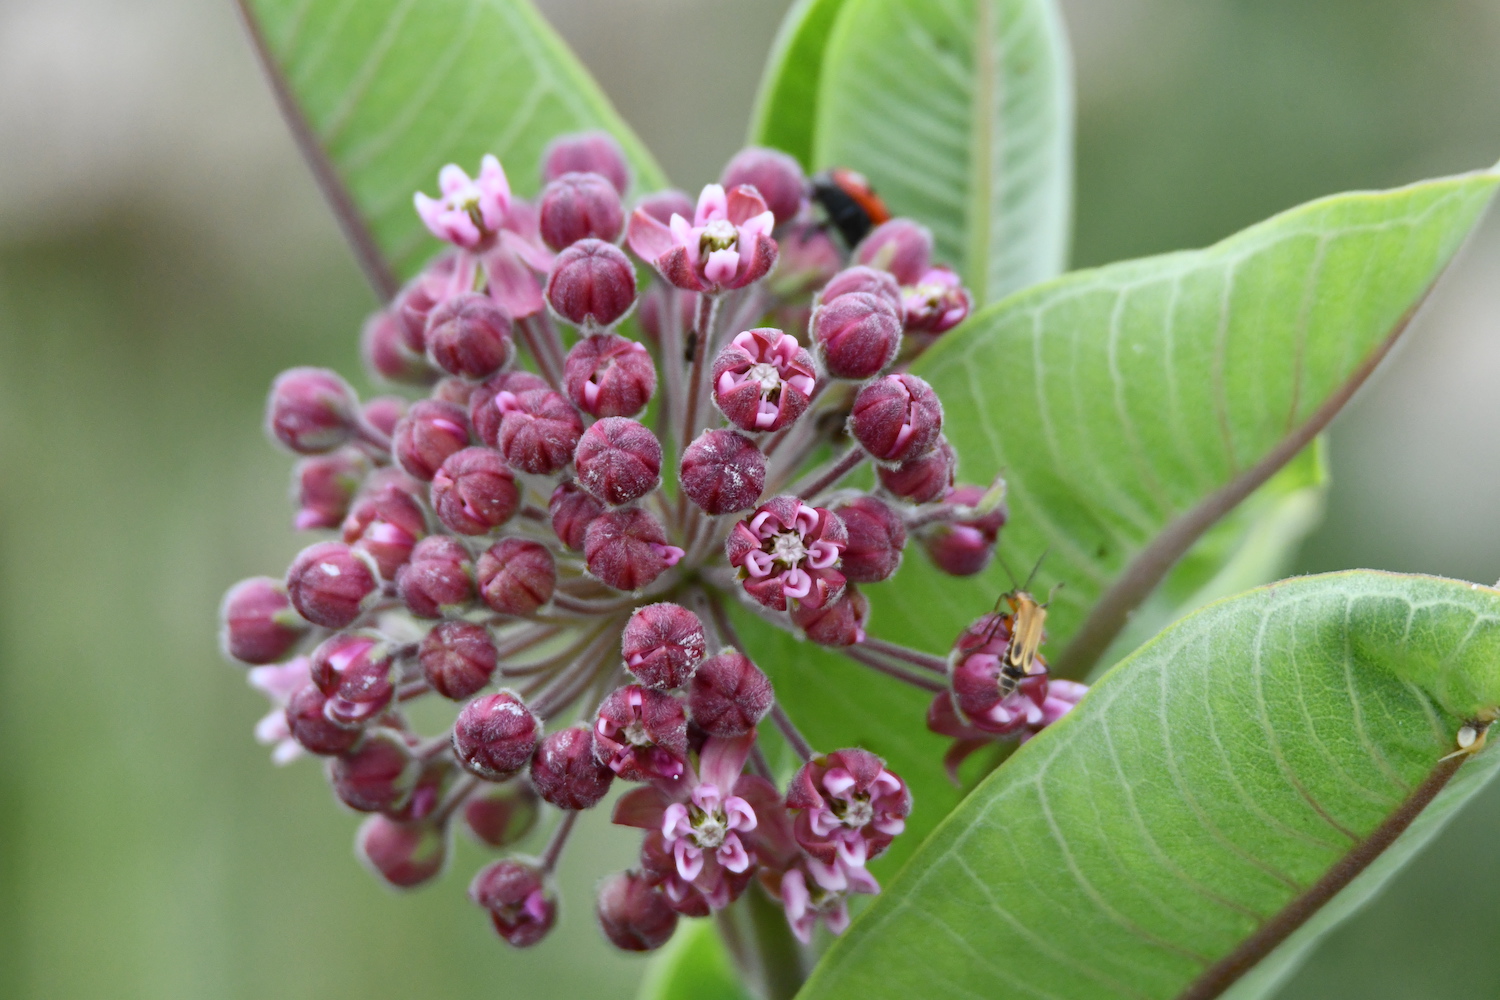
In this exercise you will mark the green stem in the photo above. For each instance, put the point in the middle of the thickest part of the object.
(778, 957)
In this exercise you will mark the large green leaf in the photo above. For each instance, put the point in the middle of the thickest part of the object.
(1211, 794)
(960, 113)
(382, 93)
(786, 105)
(695, 965)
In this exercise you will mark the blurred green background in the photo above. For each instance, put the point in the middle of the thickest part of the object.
(163, 254)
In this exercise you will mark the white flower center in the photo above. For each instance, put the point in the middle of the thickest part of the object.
(635, 733)
(787, 547)
(858, 813)
(719, 235)
(710, 829)
(766, 374)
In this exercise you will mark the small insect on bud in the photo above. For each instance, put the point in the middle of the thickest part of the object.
(386, 522)
(311, 410)
(876, 538)
(634, 914)
(324, 486)
(258, 623)
(922, 479)
(618, 460)
(354, 670)
(763, 380)
(484, 414)
(777, 176)
(516, 576)
(469, 336)
(897, 418)
(499, 817)
(383, 348)
(607, 375)
(577, 206)
(310, 727)
(520, 903)
(565, 771)
(474, 492)
(329, 584)
(838, 623)
(722, 472)
(901, 246)
(458, 659)
(627, 548)
(863, 279)
(378, 776)
(403, 855)
(641, 734)
(495, 735)
(427, 435)
(538, 430)
(591, 283)
(857, 334)
(587, 152)
(438, 582)
(572, 510)
(662, 645)
(730, 695)
(963, 548)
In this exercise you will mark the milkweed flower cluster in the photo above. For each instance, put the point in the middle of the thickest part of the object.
(555, 538)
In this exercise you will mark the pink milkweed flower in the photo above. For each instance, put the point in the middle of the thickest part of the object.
(788, 552)
(849, 807)
(470, 211)
(937, 302)
(763, 380)
(278, 683)
(727, 245)
(814, 891)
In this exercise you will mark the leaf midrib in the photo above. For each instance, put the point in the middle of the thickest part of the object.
(981, 154)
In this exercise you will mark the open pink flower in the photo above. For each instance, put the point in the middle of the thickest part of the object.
(727, 245)
(850, 807)
(469, 211)
(278, 683)
(789, 552)
(937, 302)
(763, 380)
(813, 891)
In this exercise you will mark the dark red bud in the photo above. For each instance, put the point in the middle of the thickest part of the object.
(901, 246)
(857, 334)
(662, 205)
(258, 623)
(863, 279)
(499, 817)
(777, 176)
(963, 548)
(458, 659)
(328, 584)
(538, 430)
(354, 670)
(427, 435)
(897, 418)
(520, 904)
(384, 412)
(876, 538)
(495, 735)
(311, 410)
(565, 771)
(618, 460)
(516, 576)
(730, 695)
(578, 206)
(633, 914)
(378, 776)
(484, 415)
(627, 548)
(607, 375)
(572, 509)
(325, 485)
(415, 302)
(383, 348)
(591, 282)
(723, 472)
(469, 336)
(474, 492)
(839, 623)
(403, 855)
(438, 582)
(311, 728)
(588, 153)
(386, 522)
(662, 645)
(923, 479)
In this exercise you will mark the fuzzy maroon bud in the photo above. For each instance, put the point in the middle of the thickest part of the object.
(516, 576)
(922, 479)
(876, 538)
(354, 670)
(473, 492)
(311, 728)
(627, 548)
(763, 380)
(484, 415)
(963, 548)
(382, 346)
(863, 279)
(662, 645)
(458, 659)
(618, 460)
(565, 771)
(438, 582)
(662, 205)
(777, 176)
(452, 389)
(520, 904)
(857, 334)
(634, 914)
(384, 412)
(378, 776)
(901, 246)
(494, 736)
(325, 485)
(386, 522)
(538, 430)
(838, 623)
(897, 418)
(607, 375)
(258, 623)
(578, 206)
(809, 259)
(587, 152)
(723, 472)
(730, 695)
(427, 435)
(415, 302)
(311, 410)
(592, 282)
(572, 509)
(329, 583)
(641, 734)
(469, 336)
(403, 855)
(500, 817)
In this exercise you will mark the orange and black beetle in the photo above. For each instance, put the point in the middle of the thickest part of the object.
(852, 206)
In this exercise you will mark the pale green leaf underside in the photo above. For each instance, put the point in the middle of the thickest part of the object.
(394, 89)
(960, 113)
(1205, 783)
(787, 102)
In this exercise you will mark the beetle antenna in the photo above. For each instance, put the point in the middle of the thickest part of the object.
(1032, 575)
(1006, 566)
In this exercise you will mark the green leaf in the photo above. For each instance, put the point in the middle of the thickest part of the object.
(693, 966)
(382, 93)
(960, 112)
(1210, 795)
(786, 104)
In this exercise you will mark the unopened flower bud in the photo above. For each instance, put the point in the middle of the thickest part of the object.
(329, 583)
(808, 260)
(662, 645)
(495, 735)
(474, 492)
(857, 334)
(963, 548)
(627, 548)
(520, 903)
(538, 430)
(484, 415)
(592, 282)
(922, 479)
(618, 460)
(565, 771)
(863, 279)
(378, 776)
(578, 206)
(937, 302)
(516, 576)
(499, 817)
(469, 336)
(876, 538)
(641, 734)
(662, 205)
(777, 176)
(325, 486)
(311, 410)
(723, 472)
(438, 582)
(458, 659)
(572, 509)
(427, 435)
(403, 855)
(383, 348)
(897, 418)
(608, 375)
(587, 152)
(730, 695)
(258, 623)
(837, 623)
(634, 914)
(386, 522)
(901, 246)
(763, 380)
(384, 412)
(311, 728)
(354, 670)
(447, 275)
